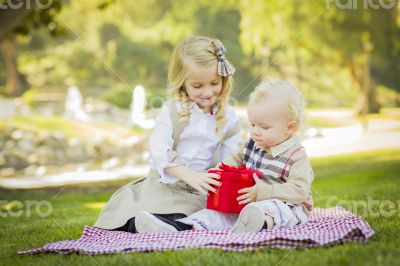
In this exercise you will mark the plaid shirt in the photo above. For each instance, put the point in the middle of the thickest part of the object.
(287, 172)
(274, 168)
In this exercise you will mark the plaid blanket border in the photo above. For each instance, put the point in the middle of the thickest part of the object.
(326, 227)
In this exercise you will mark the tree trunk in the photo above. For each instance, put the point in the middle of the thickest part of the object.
(11, 17)
(16, 82)
(397, 99)
(367, 103)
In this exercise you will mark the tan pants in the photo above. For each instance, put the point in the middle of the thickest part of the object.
(150, 195)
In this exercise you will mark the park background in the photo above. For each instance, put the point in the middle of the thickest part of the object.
(343, 55)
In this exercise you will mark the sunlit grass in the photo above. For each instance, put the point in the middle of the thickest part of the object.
(338, 180)
(387, 113)
(39, 123)
(314, 119)
(95, 205)
(70, 128)
(329, 122)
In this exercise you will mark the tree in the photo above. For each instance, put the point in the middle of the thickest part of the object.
(364, 40)
(368, 39)
(20, 18)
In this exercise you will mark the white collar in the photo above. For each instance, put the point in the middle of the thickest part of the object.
(193, 106)
(284, 146)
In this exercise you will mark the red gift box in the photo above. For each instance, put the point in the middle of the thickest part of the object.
(233, 179)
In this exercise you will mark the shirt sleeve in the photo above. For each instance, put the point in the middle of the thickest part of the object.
(297, 188)
(235, 158)
(231, 145)
(161, 146)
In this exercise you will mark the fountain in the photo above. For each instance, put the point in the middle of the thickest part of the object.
(137, 108)
(73, 105)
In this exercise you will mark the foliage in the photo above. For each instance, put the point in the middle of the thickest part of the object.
(30, 96)
(120, 97)
(117, 44)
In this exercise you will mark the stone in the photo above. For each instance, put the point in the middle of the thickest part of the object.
(27, 145)
(7, 172)
(111, 163)
(17, 134)
(30, 170)
(2, 160)
(40, 171)
(33, 158)
(15, 159)
(45, 155)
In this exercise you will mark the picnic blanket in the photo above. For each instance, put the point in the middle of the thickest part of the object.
(326, 227)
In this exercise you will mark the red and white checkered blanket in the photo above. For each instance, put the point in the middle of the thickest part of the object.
(326, 227)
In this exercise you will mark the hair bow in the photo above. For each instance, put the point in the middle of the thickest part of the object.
(225, 68)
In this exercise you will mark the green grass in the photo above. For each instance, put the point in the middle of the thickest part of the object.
(346, 180)
(387, 113)
(39, 123)
(72, 129)
(329, 122)
(323, 121)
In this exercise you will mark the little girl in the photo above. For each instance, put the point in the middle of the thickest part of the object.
(282, 197)
(192, 133)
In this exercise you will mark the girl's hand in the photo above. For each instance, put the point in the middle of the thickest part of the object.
(216, 168)
(202, 182)
(250, 193)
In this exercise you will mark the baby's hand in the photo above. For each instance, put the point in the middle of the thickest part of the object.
(250, 193)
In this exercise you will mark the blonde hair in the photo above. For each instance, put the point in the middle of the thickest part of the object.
(294, 100)
(200, 51)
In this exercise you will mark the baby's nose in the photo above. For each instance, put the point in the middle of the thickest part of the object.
(255, 131)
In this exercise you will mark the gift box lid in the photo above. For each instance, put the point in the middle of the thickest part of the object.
(238, 173)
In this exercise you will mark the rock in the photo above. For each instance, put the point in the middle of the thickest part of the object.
(60, 156)
(40, 171)
(2, 141)
(141, 145)
(9, 129)
(6, 172)
(16, 159)
(45, 155)
(76, 150)
(61, 139)
(22, 149)
(10, 144)
(103, 149)
(30, 170)
(72, 142)
(111, 163)
(26, 145)
(48, 139)
(33, 158)
(17, 135)
(2, 160)
(131, 141)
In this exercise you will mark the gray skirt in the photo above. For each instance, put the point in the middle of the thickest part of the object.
(148, 194)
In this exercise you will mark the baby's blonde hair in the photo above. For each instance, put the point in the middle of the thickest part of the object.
(200, 51)
(294, 100)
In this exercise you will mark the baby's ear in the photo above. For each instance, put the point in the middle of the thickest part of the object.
(292, 127)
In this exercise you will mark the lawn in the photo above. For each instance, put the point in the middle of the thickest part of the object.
(39, 123)
(70, 128)
(350, 180)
